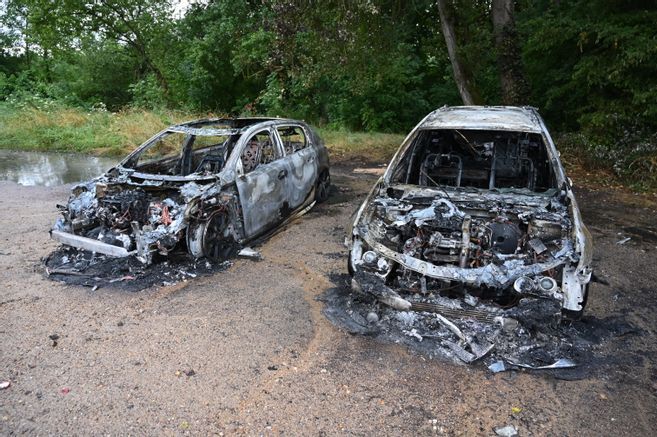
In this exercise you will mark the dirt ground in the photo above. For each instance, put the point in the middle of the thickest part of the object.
(249, 351)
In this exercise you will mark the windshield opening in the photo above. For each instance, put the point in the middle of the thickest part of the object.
(183, 154)
(477, 159)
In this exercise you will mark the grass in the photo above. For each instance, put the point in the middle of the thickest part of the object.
(62, 129)
(345, 146)
(74, 130)
(102, 133)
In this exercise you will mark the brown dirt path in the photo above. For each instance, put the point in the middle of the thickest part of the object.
(248, 350)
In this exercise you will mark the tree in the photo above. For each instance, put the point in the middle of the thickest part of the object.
(140, 24)
(462, 75)
(515, 90)
(60, 27)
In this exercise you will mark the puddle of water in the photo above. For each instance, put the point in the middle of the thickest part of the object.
(50, 169)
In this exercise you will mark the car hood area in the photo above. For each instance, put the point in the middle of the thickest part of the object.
(126, 213)
(470, 273)
(495, 245)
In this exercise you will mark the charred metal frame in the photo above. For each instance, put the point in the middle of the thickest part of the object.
(577, 247)
(199, 197)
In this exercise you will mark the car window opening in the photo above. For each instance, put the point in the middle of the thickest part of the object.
(259, 150)
(181, 154)
(477, 159)
(293, 139)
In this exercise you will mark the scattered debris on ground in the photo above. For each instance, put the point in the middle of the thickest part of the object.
(530, 336)
(79, 267)
(250, 253)
(506, 431)
(54, 338)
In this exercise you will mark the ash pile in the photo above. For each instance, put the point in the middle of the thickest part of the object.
(529, 335)
(79, 267)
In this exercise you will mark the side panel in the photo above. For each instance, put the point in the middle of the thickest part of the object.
(303, 175)
(263, 196)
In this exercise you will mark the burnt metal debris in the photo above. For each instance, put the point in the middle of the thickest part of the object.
(473, 219)
(530, 336)
(80, 267)
(208, 186)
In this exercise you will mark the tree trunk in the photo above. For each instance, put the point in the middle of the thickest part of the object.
(462, 75)
(515, 89)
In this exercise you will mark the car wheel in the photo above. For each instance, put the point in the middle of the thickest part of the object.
(323, 187)
(211, 238)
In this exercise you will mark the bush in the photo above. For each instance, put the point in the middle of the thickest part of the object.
(147, 94)
(630, 154)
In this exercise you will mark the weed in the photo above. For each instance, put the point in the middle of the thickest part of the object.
(99, 132)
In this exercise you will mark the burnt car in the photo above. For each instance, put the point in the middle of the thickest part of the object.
(208, 185)
(475, 204)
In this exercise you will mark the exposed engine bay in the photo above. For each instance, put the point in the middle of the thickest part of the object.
(472, 214)
(138, 219)
(485, 246)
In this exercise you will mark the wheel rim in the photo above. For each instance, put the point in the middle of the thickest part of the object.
(217, 243)
(323, 186)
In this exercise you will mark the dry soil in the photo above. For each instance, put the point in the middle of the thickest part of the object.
(248, 350)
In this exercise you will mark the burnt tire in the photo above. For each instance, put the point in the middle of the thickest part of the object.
(323, 187)
(211, 239)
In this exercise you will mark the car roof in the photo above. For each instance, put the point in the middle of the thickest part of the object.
(226, 126)
(507, 118)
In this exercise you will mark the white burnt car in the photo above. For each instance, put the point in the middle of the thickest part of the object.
(475, 205)
(211, 185)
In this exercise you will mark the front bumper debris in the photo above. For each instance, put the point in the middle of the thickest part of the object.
(90, 244)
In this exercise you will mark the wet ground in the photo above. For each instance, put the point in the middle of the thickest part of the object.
(50, 169)
(249, 351)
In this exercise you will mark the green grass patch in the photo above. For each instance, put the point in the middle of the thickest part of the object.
(74, 130)
(367, 146)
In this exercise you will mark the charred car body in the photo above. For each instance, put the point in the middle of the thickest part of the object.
(475, 205)
(210, 184)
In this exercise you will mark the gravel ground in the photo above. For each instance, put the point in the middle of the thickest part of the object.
(249, 351)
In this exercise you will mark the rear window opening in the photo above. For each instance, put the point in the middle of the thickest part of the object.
(477, 159)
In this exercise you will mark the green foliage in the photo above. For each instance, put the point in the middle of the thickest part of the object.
(362, 65)
(474, 29)
(592, 69)
(101, 73)
(47, 125)
(592, 62)
(147, 93)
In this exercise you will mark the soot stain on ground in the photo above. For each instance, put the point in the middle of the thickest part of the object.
(537, 341)
(76, 267)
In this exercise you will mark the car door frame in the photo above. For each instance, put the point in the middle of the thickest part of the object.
(303, 166)
(263, 192)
